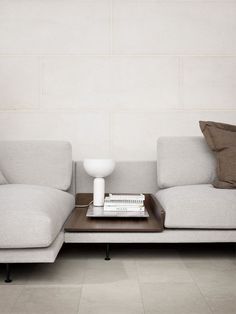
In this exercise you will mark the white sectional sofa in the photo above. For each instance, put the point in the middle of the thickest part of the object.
(35, 204)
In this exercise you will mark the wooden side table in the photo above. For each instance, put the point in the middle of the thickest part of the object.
(78, 222)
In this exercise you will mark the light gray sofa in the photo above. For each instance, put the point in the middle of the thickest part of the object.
(186, 168)
(35, 204)
(181, 179)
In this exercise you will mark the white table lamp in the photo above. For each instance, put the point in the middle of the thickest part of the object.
(99, 169)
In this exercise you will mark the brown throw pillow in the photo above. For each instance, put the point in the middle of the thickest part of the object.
(221, 138)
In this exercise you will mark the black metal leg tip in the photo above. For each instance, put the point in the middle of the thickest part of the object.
(8, 273)
(8, 280)
(107, 259)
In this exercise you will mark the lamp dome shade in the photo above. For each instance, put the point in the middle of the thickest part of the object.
(99, 168)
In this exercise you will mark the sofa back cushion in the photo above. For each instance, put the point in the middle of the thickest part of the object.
(47, 163)
(184, 161)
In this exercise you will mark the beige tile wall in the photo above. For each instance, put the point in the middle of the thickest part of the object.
(111, 76)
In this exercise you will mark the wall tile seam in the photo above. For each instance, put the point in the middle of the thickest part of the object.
(43, 91)
(118, 112)
(41, 110)
(122, 55)
(41, 69)
(168, 2)
(128, 111)
(111, 135)
(53, 111)
(176, 1)
(180, 82)
(111, 27)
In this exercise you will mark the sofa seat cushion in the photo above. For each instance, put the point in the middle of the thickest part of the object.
(32, 216)
(198, 206)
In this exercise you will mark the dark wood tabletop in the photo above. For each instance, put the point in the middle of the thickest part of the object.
(79, 222)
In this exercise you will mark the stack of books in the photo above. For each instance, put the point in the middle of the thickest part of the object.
(124, 203)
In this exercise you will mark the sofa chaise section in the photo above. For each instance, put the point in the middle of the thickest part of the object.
(35, 204)
(32, 216)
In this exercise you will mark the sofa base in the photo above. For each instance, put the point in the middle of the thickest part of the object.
(35, 255)
(49, 254)
(167, 236)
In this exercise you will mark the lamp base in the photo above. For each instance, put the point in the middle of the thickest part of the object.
(98, 191)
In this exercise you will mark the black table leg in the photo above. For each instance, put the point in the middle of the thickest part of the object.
(107, 258)
(8, 273)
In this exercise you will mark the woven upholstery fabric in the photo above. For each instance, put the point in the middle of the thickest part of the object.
(198, 206)
(47, 163)
(37, 255)
(183, 161)
(167, 236)
(221, 138)
(32, 216)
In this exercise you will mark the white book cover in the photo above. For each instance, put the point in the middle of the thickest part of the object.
(124, 203)
(118, 204)
(126, 197)
(124, 208)
(125, 200)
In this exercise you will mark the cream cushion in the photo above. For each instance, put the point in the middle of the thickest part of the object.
(198, 206)
(32, 216)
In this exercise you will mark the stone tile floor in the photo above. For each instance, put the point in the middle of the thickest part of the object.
(150, 279)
